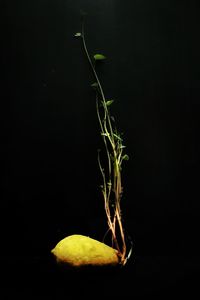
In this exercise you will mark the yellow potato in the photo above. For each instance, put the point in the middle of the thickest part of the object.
(79, 250)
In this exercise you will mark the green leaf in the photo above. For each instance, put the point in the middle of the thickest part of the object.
(83, 13)
(125, 157)
(104, 134)
(78, 34)
(94, 85)
(109, 102)
(117, 137)
(112, 118)
(99, 57)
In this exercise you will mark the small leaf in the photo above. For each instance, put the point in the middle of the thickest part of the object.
(117, 137)
(104, 134)
(83, 13)
(122, 147)
(78, 34)
(94, 85)
(109, 102)
(99, 57)
(125, 157)
(112, 118)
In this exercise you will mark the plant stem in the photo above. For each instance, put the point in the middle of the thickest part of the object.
(113, 184)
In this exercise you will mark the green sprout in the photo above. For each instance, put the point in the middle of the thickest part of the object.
(111, 174)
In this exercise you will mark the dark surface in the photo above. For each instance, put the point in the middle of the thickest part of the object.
(50, 136)
(158, 276)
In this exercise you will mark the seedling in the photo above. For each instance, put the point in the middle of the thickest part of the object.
(111, 173)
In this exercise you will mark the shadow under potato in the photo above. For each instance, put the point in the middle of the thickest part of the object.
(89, 281)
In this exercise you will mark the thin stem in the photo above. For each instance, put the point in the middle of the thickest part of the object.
(97, 79)
(112, 185)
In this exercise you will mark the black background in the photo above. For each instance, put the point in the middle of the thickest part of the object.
(50, 136)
